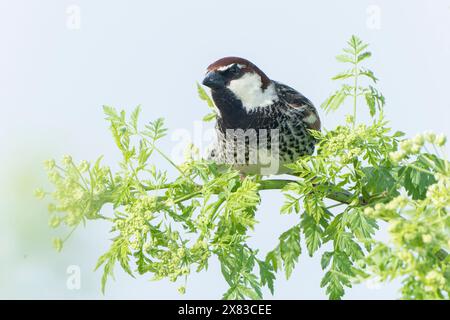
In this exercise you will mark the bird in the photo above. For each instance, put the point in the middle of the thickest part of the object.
(261, 124)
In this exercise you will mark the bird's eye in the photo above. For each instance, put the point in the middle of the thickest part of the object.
(231, 71)
(234, 69)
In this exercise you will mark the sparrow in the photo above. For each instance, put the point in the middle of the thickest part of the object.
(261, 124)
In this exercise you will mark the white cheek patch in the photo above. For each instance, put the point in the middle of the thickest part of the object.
(311, 119)
(248, 89)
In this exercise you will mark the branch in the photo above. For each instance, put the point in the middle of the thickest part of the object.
(342, 196)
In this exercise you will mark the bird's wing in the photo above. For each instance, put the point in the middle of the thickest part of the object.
(296, 100)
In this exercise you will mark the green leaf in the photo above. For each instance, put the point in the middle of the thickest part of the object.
(369, 74)
(338, 276)
(344, 242)
(205, 97)
(135, 116)
(334, 101)
(356, 45)
(119, 251)
(290, 204)
(155, 130)
(210, 117)
(254, 292)
(416, 182)
(266, 274)
(342, 263)
(335, 289)
(370, 100)
(344, 58)
(233, 293)
(398, 134)
(241, 203)
(364, 56)
(326, 258)
(362, 226)
(312, 232)
(144, 154)
(111, 114)
(237, 264)
(226, 271)
(248, 292)
(273, 257)
(379, 180)
(290, 249)
(344, 75)
(314, 207)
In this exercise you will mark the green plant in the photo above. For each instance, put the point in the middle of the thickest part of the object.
(362, 175)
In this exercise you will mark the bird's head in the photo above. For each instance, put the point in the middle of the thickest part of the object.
(243, 79)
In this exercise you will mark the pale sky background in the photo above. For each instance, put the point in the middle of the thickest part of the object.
(54, 80)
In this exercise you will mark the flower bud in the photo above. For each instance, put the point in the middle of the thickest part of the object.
(415, 148)
(427, 238)
(49, 164)
(84, 166)
(441, 140)
(39, 193)
(185, 271)
(397, 155)
(430, 136)
(57, 244)
(67, 160)
(432, 275)
(368, 211)
(419, 140)
(409, 236)
(55, 221)
(404, 255)
(393, 225)
(392, 206)
(349, 119)
(406, 145)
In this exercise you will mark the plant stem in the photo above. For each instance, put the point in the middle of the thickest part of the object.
(342, 195)
(168, 160)
(355, 90)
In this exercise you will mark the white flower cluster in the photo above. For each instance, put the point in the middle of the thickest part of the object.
(135, 226)
(438, 193)
(414, 146)
(387, 209)
(434, 280)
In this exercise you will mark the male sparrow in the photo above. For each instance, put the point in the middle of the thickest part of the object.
(261, 124)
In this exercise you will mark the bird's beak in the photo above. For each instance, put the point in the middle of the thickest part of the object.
(214, 80)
